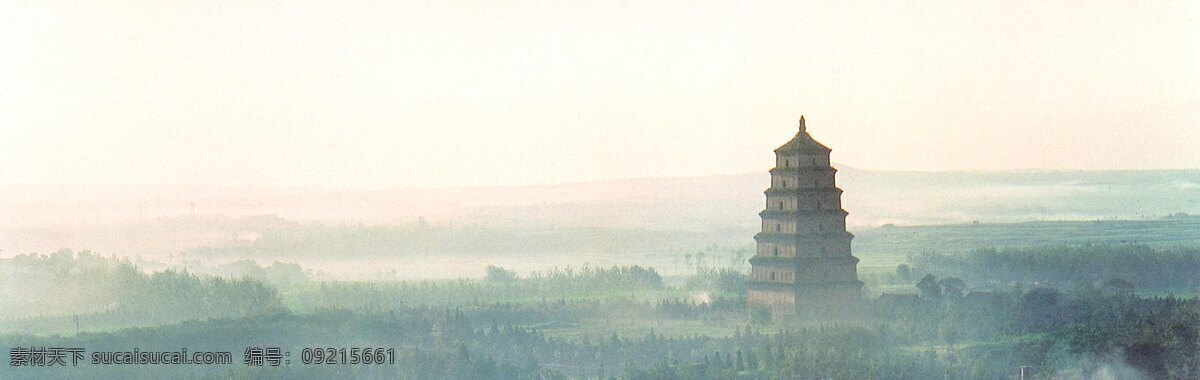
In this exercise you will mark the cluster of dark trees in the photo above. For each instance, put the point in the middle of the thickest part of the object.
(588, 277)
(282, 275)
(723, 280)
(931, 287)
(499, 284)
(1145, 267)
(53, 292)
(710, 309)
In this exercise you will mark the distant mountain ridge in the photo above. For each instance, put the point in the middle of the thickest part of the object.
(158, 219)
(715, 201)
(871, 197)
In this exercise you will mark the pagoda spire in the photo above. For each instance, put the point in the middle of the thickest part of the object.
(801, 123)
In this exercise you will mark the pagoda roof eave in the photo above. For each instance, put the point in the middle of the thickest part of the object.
(811, 169)
(802, 237)
(831, 212)
(808, 190)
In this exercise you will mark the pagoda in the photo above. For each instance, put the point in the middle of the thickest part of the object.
(803, 262)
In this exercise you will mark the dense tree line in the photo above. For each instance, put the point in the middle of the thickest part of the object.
(977, 335)
(587, 282)
(52, 292)
(503, 326)
(1145, 267)
(724, 280)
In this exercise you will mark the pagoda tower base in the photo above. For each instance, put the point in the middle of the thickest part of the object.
(815, 299)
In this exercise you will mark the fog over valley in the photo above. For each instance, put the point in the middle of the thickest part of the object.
(415, 231)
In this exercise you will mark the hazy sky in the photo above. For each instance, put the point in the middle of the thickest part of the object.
(447, 93)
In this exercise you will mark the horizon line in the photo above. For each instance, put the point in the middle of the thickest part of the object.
(840, 168)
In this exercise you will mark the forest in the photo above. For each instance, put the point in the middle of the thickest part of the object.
(1172, 268)
(956, 320)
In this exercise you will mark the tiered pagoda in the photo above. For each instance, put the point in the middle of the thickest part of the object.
(803, 262)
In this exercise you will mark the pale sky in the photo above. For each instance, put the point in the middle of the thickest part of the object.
(449, 94)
